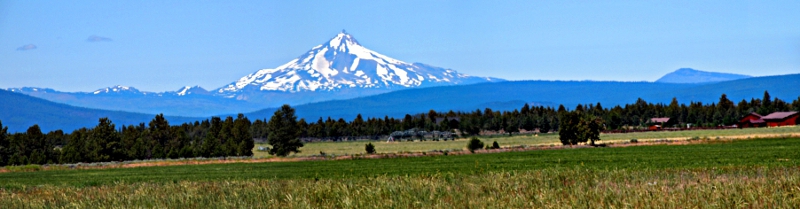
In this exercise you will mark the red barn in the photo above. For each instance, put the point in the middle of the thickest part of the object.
(752, 120)
(781, 119)
(658, 123)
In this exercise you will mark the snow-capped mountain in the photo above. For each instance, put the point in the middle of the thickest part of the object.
(343, 63)
(191, 90)
(336, 70)
(32, 89)
(119, 89)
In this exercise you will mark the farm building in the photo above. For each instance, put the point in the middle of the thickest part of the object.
(659, 123)
(781, 119)
(752, 120)
(771, 120)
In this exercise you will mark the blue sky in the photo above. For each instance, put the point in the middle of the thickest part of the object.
(163, 45)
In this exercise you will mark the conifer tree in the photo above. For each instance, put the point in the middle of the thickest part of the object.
(4, 149)
(284, 133)
(242, 134)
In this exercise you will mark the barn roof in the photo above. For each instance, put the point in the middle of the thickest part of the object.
(779, 115)
(756, 114)
(659, 120)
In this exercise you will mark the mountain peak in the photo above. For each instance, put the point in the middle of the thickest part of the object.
(189, 90)
(342, 41)
(689, 75)
(687, 70)
(341, 63)
(117, 89)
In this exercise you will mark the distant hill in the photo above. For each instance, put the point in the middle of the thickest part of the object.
(514, 94)
(19, 111)
(689, 75)
(779, 86)
(497, 96)
(187, 101)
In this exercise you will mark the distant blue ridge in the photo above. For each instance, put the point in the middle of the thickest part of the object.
(689, 75)
(19, 111)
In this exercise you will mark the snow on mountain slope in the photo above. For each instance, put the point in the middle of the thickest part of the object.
(191, 90)
(117, 90)
(343, 63)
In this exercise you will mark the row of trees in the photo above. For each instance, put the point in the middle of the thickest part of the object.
(105, 142)
(537, 118)
(216, 137)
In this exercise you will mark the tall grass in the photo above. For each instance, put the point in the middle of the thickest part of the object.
(574, 187)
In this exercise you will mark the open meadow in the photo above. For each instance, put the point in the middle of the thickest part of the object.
(356, 147)
(753, 173)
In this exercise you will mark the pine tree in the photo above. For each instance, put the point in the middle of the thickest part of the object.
(370, 148)
(545, 125)
(284, 133)
(98, 139)
(211, 144)
(4, 149)
(159, 134)
(227, 140)
(525, 109)
(766, 105)
(568, 129)
(243, 137)
(74, 151)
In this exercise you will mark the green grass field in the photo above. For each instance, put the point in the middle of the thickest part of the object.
(356, 147)
(763, 152)
(728, 174)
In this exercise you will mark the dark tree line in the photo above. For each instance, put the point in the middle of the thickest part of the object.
(106, 142)
(235, 136)
(538, 118)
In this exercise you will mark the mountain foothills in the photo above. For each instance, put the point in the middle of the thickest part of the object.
(18, 111)
(689, 75)
(340, 68)
(514, 94)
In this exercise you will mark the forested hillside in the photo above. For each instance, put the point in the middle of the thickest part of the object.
(513, 94)
(19, 111)
(235, 136)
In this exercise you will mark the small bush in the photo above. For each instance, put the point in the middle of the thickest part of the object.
(495, 145)
(634, 141)
(370, 148)
(25, 168)
(474, 144)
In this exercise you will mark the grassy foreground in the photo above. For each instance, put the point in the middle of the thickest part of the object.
(716, 153)
(749, 187)
(356, 147)
(720, 174)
